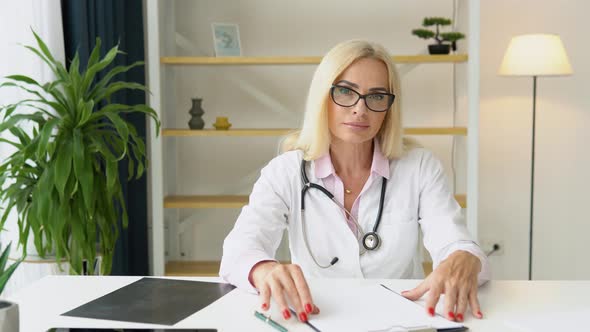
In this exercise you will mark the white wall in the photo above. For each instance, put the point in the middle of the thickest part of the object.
(17, 18)
(311, 28)
(274, 96)
(562, 160)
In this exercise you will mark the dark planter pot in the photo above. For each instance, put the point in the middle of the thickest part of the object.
(8, 316)
(439, 48)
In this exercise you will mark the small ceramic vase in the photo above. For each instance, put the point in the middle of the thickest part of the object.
(196, 112)
(221, 123)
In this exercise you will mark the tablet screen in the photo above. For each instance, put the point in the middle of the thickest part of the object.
(128, 330)
(157, 301)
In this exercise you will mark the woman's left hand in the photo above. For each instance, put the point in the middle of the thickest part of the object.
(456, 277)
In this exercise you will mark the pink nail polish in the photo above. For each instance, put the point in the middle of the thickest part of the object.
(479, 314)
(451, 315)
(264, 306)
(308, 308)
(460, 317)
(431, 311)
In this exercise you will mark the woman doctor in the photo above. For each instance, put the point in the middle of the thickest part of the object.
(353, 195)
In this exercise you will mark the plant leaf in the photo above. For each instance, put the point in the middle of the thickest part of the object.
(117, 86)
(92, 70)
(17, 118)
(24, 79)
(99, 87)
(44, 136)
(59, 68)
(94, 56)
(122, 130)
(4, 257)
(63, 165)
(7, 274)
(83, 169)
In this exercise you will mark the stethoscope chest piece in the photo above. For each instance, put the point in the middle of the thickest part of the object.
(371, 241)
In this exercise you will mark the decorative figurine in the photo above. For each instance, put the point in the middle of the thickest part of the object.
(221, 123)
(196, 112)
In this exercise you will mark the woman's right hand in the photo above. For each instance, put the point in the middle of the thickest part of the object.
(286, 284)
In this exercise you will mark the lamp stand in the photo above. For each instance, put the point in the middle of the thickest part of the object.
(532, 180)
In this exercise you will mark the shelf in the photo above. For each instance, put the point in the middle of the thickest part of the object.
(192, 268)
(205, 201)
(160, 58)
(230, 132)
(211, 268)
(230, 201)
(300, 60)
(454, 131)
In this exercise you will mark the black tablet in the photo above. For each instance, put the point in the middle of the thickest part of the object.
(156, 301)
(59, 329)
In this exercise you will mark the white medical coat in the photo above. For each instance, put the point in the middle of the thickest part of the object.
(417, 198)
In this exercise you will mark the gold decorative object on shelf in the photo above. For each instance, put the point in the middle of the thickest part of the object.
(221, 123)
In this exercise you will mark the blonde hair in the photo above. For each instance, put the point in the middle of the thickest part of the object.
(314, 136)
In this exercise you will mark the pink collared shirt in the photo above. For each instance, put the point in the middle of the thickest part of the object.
(324, 170)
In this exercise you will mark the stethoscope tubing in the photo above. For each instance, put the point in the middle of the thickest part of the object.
(308, 185)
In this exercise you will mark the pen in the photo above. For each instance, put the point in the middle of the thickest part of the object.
(306, 323)
(269, 321)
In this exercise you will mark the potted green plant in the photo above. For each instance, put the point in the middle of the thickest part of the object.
(9, 320)
(63, 179)
(444, 40)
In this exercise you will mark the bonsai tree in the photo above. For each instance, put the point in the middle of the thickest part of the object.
(438, 36)
(63, 179)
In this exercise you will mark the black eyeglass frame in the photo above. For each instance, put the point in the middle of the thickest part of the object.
(334, 86)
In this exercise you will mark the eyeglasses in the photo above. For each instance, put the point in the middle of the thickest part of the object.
(347, 97)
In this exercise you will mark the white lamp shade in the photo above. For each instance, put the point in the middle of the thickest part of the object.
(535, 55)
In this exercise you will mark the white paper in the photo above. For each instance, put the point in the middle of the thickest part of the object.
(370, 308)
(575, 320)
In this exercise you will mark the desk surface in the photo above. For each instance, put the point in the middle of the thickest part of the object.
(506, 305)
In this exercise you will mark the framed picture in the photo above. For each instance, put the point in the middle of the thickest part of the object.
(226, 38)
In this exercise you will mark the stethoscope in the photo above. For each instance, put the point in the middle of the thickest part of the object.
(370, 241)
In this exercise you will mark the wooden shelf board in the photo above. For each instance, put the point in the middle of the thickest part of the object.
(299, 60)
(229, 132)
(231, 201)
(205, 201)
(192, 268)
(211, 268)
(178, 132)
(453, 131)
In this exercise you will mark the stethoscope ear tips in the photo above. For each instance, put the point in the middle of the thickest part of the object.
(334, 261)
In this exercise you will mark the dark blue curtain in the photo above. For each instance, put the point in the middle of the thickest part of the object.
(117, 22)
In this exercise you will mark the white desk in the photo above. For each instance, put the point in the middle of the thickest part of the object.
(560, 305)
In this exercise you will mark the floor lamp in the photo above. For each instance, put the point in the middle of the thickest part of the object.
(535, 55)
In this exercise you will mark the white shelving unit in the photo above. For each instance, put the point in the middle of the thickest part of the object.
(159, 81)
